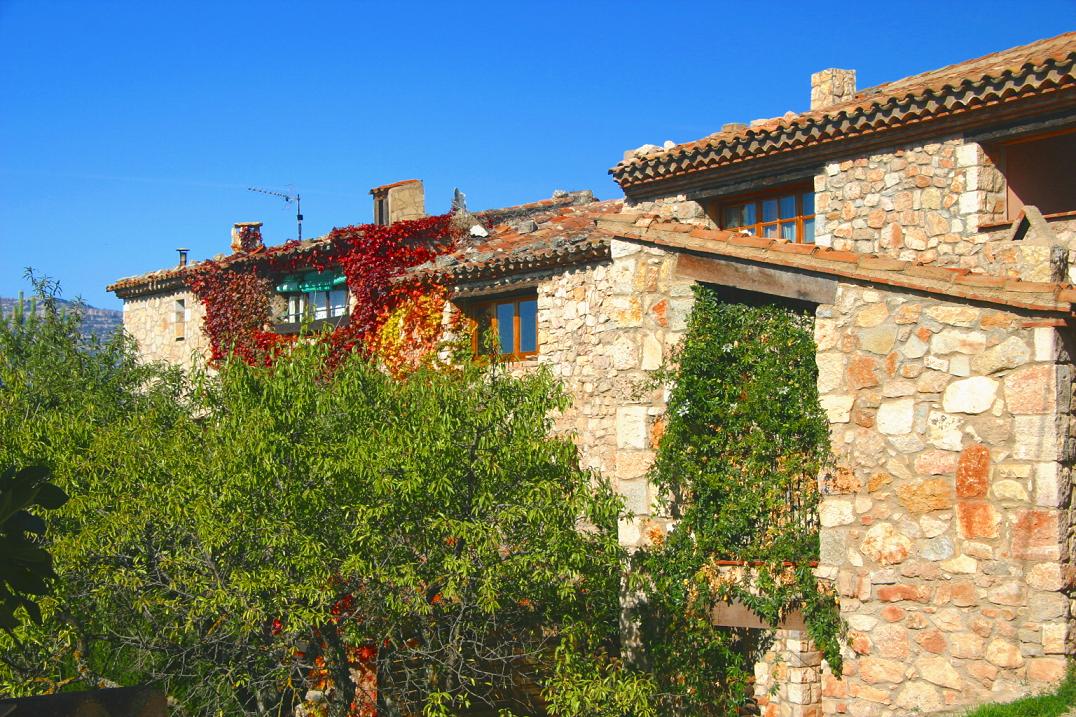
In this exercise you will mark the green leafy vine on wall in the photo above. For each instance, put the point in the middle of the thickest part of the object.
(738, 466)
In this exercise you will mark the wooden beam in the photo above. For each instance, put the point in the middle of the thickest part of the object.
(736, 614)
(786, 283)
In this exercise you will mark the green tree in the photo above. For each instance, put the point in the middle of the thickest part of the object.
(232, 535)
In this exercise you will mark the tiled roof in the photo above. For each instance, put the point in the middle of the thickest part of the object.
(386, 187)
(1043, 68)
(551, 232)
(530, 237)
(871, 268)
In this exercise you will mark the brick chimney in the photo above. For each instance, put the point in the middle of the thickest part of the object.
(247, 237)
(400, 200)
(831, 87)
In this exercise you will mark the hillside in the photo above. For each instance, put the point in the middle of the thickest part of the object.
(96, 322)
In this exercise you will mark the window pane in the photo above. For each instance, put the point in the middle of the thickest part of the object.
(750, 214)
(506, 328)
(338, 302)
(808, 231)
(770, 231)
(788, 206)
(528, 326)
(769, 210)
(788, 231)
(733, 217)
(295, 308)
(808, 203)
(319, 300)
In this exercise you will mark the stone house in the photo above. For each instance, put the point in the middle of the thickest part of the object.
(930, 224)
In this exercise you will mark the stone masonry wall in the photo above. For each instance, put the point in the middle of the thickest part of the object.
(602, 329)
(947, 529)
(152, 322)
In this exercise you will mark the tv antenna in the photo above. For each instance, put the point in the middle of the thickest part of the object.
(288, 199)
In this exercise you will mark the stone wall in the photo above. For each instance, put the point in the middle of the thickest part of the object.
(946, 530)
(602, 329)
(151, 320)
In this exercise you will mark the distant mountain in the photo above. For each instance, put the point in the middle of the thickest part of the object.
(97, 322)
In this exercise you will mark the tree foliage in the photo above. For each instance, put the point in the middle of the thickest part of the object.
(738, 465)
(233, 536)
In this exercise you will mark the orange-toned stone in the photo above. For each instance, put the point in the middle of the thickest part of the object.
(978, 520)
(892, 613)
(973, 471)
(859, 642)
(843, 481)
(1046, 669)
(657, 431)
(963, 593)
(860, 372)
(875, 669)
(833, 687)
(995, 320)
(891, 364)
(925, 496)
(932, 641)
(879, 480)
(660, 312)
(896, 593)
(1036, 535)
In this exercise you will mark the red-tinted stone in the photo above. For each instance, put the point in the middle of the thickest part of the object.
(973, 471)
(932, 641)
(978, 520)
(861, 372)
(896, 593)
(1036, 535)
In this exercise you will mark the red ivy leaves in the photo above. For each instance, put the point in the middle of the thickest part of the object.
(236, 294)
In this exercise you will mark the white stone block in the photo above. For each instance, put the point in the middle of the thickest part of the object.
(631, 427)
(837, 408)
(895, 418)
(1037, 438)
(970, 395)
(1045, 338)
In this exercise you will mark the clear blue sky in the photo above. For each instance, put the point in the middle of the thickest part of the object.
(129, 129)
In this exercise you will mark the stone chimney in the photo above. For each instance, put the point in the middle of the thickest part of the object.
(831, 87)
(247, 237)
(400, 200)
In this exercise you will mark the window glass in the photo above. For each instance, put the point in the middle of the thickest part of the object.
(788, 231)
(295, 308)
(808, 203)
(769, 210)
(734, 217)
(788, 206)
(506, 327)
(320, 302)
(338, 302)
(528, 326)
(808, 231)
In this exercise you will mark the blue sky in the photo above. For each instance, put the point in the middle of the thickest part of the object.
(130, 129)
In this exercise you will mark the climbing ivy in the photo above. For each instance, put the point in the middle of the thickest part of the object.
(738, 466)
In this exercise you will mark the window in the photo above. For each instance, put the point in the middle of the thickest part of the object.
(1038, 171)
(179, 318)
(314, 296)
(507, 327)
(786, 213)
(381, 211)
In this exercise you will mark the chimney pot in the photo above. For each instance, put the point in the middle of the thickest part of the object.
(831, 87)
(247, 237)
(183, 256)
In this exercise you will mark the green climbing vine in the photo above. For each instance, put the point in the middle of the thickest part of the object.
(738, 466)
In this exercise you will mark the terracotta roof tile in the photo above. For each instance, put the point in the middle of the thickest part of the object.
(1036, 69)
(941, 281)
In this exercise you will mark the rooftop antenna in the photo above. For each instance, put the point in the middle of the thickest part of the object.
(288, 199)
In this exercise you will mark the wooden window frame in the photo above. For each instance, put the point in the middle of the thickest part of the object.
(476, 309)
(307, 308)
(998, 152)
(798, 189)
